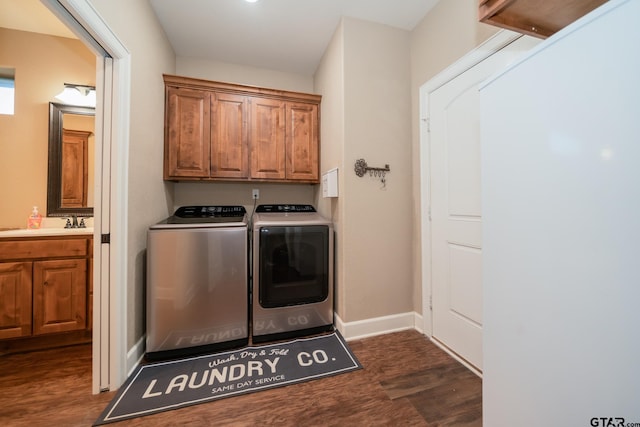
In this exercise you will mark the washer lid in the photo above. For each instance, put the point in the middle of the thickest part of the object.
(205, 216)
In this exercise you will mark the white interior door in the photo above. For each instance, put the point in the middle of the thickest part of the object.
(455, 205)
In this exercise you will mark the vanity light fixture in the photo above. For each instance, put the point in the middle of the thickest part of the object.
(80, 95)
(251, 1)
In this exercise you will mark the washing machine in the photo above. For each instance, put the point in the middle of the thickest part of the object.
(292, 272)
(197, 282)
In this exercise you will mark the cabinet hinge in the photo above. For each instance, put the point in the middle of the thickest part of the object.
(430, 302)
(105, 238)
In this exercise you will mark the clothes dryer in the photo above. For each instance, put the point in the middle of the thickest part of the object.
(293, 272)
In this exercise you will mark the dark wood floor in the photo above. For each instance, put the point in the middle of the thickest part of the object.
(406, 381)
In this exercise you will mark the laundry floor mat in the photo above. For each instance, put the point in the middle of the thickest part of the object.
(164, 386)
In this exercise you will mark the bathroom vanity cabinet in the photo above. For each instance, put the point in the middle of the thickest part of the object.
(45, 290)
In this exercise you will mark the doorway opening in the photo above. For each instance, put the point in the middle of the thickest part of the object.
(111, 138)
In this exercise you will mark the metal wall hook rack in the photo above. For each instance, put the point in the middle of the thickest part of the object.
(361, 168)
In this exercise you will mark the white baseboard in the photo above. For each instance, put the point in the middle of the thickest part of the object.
(378, 325)
(135, 355)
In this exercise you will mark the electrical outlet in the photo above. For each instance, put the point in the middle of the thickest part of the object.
(255, 194)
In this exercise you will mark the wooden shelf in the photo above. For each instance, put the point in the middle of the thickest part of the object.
(538, 18)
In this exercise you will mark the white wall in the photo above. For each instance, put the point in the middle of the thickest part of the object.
(365, 76)
(370, 77)
(149, 198)
(560, 227)
(242, 74)
(377, 217)
(329, 81)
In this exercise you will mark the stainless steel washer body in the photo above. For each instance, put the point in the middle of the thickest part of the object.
(197, 282)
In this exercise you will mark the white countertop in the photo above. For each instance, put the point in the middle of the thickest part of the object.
(45, 232)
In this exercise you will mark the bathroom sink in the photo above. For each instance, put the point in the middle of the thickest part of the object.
(45, 232)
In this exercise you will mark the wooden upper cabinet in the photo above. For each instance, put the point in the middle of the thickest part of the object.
(539, 18)
(225, 131)
(267, 139)
(187, 133)
(229, 136)
(302, 142)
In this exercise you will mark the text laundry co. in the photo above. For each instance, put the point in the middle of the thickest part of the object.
(211, 377)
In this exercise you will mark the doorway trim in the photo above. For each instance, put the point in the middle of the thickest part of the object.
(113, 76)
(498, 41)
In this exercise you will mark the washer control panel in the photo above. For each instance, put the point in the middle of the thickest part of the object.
(209, 211)
(284, 208)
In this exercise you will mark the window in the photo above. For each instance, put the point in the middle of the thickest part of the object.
(7, 90)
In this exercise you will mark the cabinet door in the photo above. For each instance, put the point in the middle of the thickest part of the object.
(74, 168)
(15, 299)
(302, 142)
(59, 296)
(187, 133)
(229, 136)
(267, 138)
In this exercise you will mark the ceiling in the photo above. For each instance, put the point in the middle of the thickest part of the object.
(283, 35)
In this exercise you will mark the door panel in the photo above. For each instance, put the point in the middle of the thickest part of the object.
(267, 138)
(456, 221)
(465, 272)
(302, 141)
(463, 128)
(15, 299)
(59, 296)
(188, 151)
(229, 139)
(455, 205)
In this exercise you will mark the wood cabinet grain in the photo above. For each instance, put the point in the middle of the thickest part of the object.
(268, 139)
(75, 168)
(59, 296)
(229, 136)
(15, 299)
(538, 18)
(187, 133)
(302, 141)
(222, 131)
(45, 289)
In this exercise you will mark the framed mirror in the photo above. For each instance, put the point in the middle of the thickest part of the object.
(70, 174)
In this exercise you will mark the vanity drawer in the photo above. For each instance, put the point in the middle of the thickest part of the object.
(35, 249)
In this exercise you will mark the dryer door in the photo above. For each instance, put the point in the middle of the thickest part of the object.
(293, 265)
